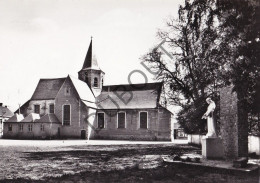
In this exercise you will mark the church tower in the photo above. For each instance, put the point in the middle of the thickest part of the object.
(91, 73)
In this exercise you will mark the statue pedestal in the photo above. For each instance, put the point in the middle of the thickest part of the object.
(212, 148)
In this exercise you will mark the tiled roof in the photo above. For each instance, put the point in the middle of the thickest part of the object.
(133, 87)
(15, 118)
(47, 88)
(31, 118)
(4, 111)
(134, 96)
(48, 118)
(85, 93)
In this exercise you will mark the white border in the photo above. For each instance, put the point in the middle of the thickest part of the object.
(63, 114)
(104, 120)
(117, 119)
(140, 120)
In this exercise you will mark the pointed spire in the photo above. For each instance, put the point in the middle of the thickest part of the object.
(88, 59)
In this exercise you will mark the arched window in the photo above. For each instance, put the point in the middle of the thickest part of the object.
(95, 82)
(66, 114)
(102, 81)
(143, 119)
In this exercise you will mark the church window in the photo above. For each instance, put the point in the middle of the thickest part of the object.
(10, 127)
(102, 81)
(101, 120)
(42, 127)
(96, 82)
(37, 109)
(30, 128)
(143, 117)
(66, 115)
(21, 127)
(121, 120)
(51, 109)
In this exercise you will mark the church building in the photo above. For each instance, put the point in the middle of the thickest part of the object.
(84, 108)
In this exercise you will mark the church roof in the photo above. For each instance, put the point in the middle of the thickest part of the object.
(90, 59)
(15, 118)
(47, 89)
(83, 90)
(32, 117)
(134, 96)
(133, 87)
(48, 118)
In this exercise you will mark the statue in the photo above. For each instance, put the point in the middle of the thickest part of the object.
(210, 119)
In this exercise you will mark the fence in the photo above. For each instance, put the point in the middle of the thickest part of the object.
(253, 142)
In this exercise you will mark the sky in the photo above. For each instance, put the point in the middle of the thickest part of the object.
(50, 38)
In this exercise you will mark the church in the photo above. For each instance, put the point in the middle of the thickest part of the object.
(84, 108)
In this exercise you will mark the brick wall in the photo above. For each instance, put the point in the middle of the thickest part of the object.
(50, 130)
(44, 106)
(159, 125)
(78, 110)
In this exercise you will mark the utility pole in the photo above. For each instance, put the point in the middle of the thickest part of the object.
(19, 112)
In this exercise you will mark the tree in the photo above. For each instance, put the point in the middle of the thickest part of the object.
(240, 42)
(191, 75)
(212, 43)
(240, 30)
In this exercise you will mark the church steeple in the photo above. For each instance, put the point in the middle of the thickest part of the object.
(88, 59)
(91, 73)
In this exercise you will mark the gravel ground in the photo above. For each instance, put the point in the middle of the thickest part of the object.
(58, 161)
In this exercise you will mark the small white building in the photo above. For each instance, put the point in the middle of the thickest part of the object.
(179, 132)
(5, 114)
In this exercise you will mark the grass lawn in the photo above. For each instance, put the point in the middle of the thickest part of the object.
(105, 163)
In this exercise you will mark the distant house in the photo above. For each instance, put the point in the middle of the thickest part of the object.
(84, 108)
(179, 132)
(5, 114)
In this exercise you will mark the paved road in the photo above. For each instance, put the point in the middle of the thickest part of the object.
(8, 142)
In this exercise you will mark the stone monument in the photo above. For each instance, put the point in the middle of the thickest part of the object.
(233, 131)
(212, 146)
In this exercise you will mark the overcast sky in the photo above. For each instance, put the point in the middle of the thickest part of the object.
(50, 38)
